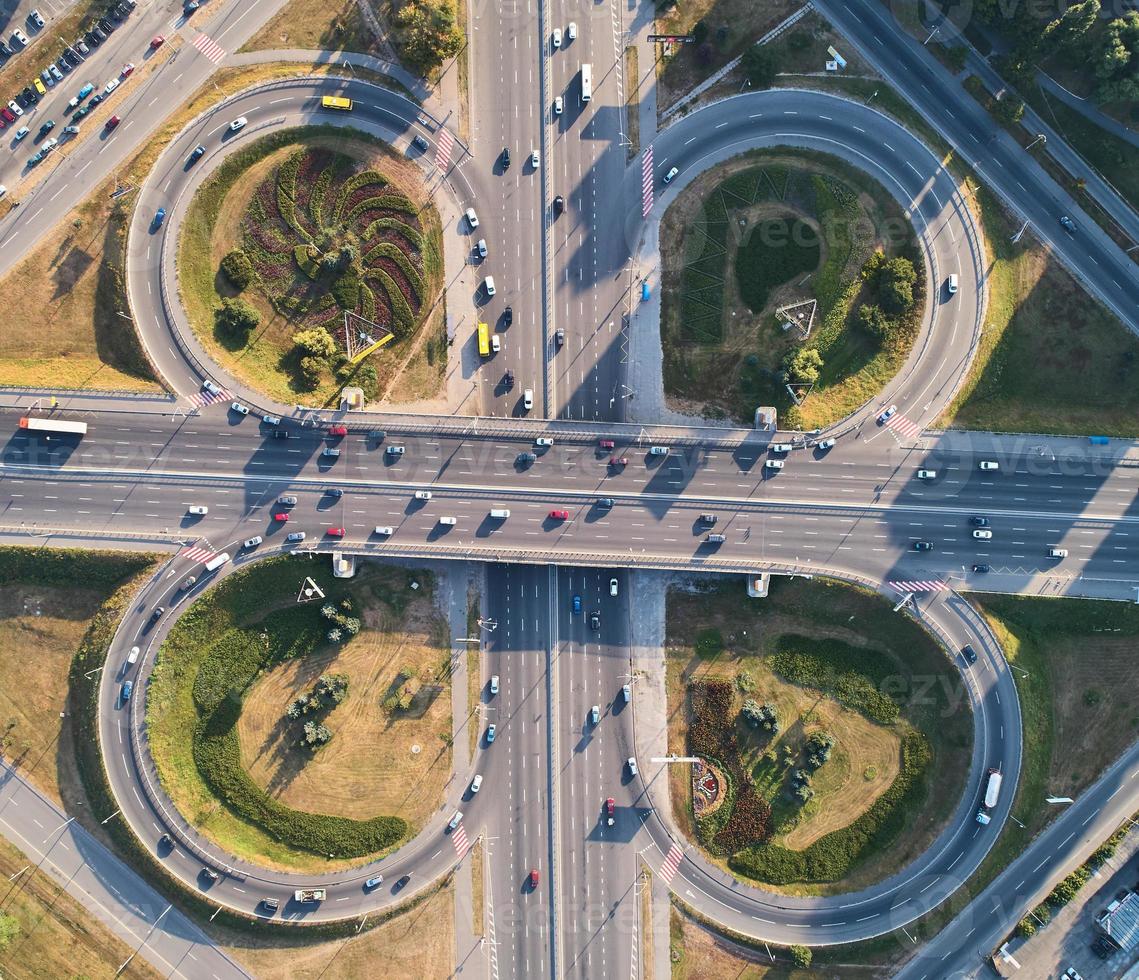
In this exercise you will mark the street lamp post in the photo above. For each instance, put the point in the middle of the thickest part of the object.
(1040, 138)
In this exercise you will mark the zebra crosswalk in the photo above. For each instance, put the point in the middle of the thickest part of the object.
(900, 425)
(198, 553)
(920, 585)
(201, 399)
(209, 47)
(443, 146)
(646, 181)
(459, 839)
(671, 863)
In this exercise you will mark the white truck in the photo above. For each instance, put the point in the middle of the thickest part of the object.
(308, 895)
(992, 792)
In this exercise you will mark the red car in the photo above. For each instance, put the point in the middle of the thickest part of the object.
(113, 122)
(610, 810)
(335, 532)
(128, 69)
(281, 517)
(8, 114)
(157, 41)
(338, 430)
(619, 461)
(606, 444)
(533, 877)
(559, 515)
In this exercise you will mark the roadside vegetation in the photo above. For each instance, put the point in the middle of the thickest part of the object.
(246, 772)
(296, 230)
(721, 30)
(772, 228)
(48, 598)
(317, 25)
(823, 718)
(1073, 661)
(46, 933)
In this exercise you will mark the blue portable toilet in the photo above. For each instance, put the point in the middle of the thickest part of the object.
(645, 291)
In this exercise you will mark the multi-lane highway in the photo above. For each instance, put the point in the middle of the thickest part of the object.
(859, 508)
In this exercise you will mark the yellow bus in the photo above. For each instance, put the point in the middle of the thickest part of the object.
(336, 102)
(484, 340)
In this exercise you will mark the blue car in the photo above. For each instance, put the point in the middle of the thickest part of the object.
(577, 604)
(128, 686)
(159, 217)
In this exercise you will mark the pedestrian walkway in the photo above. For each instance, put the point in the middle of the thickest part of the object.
(199, 554)
(201, 399)
(671, 863)
(646, 181)
(209, 47)
(920, 585)
(903, 426)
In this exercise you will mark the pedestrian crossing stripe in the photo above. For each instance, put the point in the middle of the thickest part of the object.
(209, 47)
(671, 863)
(920, 585)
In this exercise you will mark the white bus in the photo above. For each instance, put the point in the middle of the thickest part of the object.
(586, 82)
(217, 561)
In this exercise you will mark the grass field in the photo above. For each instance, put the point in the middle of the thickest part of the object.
(737, 244)
(416, 945)
(56, 936)
(866, 758)
(386, 604)
(42, 622)
(1078, 699)
(1043, 338)
(316, 25)
(220, 219)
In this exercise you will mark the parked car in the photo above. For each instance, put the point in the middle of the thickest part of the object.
(156, 42)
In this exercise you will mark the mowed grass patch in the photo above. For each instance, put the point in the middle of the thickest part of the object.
(56, 936)
(804, 617)
(379, 761)
(206, 655)
(1078, 694)
(64, 330)
(317, 25)
(1044, 337)
(751, 226)
(417, 944)
(47, 600)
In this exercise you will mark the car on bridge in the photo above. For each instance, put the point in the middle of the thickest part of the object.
(923, 546)
(559, 515)
(773, 464)
(619, 461)
(335, 532)
(281, 517)
(577, 605)
(295, 536)
(969, 654)
(989, 464)
(422, 494)
(338, 430)
(826, 444)
(982, 533)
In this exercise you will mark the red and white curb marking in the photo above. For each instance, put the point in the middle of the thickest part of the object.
(904, 427)
(459, 839)
(201, 399)
(923, 585)
(199, 554)
(647, 181)
(671, 863)
(209, 47)
(443, 149)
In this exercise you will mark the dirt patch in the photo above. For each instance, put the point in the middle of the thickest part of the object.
(379, 761)
(318, 25)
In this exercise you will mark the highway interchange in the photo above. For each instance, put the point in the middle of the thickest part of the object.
(855, 510)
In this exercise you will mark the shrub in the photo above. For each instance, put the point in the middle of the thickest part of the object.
(346, 289)
(309, 369)
(317, 341)
(709, 643)
(752, 713)
(1067, 889)
(427, 34)
(699, 32)
(871, 319)
(759, 65)
(801, 955)
(803, 365)
(236, 317)
(846, 673)
(1026, 927)
(237, 268)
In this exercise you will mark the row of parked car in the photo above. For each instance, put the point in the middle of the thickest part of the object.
(72, 57)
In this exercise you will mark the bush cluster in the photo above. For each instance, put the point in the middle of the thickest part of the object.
(65, 568)
(830, 858)
(838, 670)
(237, 268)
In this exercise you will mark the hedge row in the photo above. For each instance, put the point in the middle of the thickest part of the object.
(413, 235)
(63, 567)
(830, 858)
(851, 675)
(316, 198)
(385, 202)
(403, 319)
(286, 195)
(388, 250)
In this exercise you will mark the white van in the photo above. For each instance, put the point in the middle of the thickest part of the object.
(216, 562)
(488, 284)
(780, 447)
(448, 520)
(384, 530)
(1057, 552)
(951, 283)
(499, 513)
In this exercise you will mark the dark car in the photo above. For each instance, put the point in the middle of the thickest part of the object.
(420, 143)
(403, 881)
(334, 492)
(270, 904)
(93, 39)
(209, 874)
(159, 217)
(105, 25)
(196, 153)
(280, 433)
(5, 50)
(527, 458)
(96, 99)
(981, 521)
(559, 204)
(981, 568)
(605, 503)
(923, 546)
(508, 315)
(505, 157)
(595, 621)
(969, 653)
(22, 99)
(1068, 223)
(189, 7)
(157, 613)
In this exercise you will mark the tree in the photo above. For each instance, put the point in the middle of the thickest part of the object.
(428, 33)
(1026, 927)
(801, 956)
(873, 321)
(1009, 110)
(1117, 62)
(236, 317)
(956, 56)
(317, 342)
(895, 282)
(699, 32)
(1071, 26)
(803, 365)
(752, 713)
(759, 65)
(237, 268)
